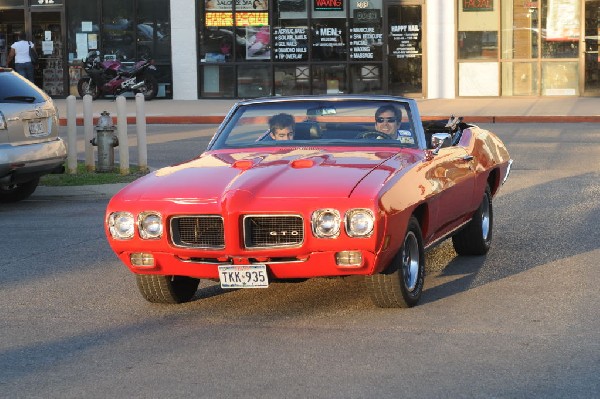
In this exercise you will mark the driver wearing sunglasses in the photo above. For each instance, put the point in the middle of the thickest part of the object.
(387, 120)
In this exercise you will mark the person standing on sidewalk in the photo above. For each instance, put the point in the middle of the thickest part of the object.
(19, 51)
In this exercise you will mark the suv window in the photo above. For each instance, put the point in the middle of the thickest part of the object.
(13, 89)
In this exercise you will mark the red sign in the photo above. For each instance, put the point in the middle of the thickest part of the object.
(478, 5)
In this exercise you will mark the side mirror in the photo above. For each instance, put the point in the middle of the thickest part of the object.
(439, 140)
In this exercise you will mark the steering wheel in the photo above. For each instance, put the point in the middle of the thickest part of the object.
(372, 134)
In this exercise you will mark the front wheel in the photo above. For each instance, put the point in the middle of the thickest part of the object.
(17, 192)
(150, 87)
(401, 284)
(476, 237)
(166, 289)
(87, 86)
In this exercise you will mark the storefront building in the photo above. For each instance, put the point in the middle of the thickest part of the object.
(252, 48)
(64, 31)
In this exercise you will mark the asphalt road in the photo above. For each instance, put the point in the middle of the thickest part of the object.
(521, 322)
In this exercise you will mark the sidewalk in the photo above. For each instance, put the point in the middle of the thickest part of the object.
(476, 110)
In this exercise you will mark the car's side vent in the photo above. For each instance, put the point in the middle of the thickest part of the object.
(205, 231)
(269, 231)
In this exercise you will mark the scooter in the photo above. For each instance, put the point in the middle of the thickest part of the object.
(110, 77)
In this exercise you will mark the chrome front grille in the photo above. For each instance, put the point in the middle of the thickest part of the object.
(273, 231)
(204, 231)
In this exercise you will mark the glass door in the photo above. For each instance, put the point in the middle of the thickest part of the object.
(47, 34)
(404, 26)
(591, 85)
(12, 22)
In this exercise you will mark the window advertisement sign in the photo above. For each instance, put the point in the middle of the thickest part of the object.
(405, 41)
(243, 5)
(258, 43)
(290, 43)
(241, 19)
(563, 20)
(366, 37)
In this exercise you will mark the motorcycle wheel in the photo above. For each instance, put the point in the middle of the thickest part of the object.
(150, 88)
(87, 86)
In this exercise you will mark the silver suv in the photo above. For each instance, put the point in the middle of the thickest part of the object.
(29, 142)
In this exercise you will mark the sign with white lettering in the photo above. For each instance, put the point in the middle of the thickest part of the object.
(291, 44)
(405, 41)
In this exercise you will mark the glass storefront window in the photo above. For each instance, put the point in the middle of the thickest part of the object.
(520, 32)
(560, 79)
(520, 79)
(254, 81)
(329, 79)
(366, 79)
(292, 80)
(154, 31)
(561, 28)
(329, 40)
(218, 81)
(477, 32)
(118, 29)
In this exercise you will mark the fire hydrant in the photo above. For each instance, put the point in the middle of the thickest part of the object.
(106, 141)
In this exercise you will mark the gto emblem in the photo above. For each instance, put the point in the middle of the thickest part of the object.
(38, 112)
(284, 233)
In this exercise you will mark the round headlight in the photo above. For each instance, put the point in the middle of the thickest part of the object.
(121, 225)
(150, 225)
(359, 222)
(326, 223)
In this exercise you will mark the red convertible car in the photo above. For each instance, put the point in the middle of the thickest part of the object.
(301, 187)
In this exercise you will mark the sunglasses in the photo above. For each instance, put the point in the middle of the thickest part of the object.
(380, 119)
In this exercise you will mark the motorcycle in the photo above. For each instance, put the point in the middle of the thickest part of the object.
(112, 78)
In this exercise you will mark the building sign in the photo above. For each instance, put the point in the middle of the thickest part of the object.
(243, 5)
(241, 19)
(291, 44)
(328, 5)
(478, 5)
(405, 41)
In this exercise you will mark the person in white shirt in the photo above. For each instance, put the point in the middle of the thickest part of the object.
(19, 51)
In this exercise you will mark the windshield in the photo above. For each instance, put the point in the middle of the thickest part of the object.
(355, 123)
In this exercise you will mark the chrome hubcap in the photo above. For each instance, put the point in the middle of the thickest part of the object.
(485, 217)
(410, 261)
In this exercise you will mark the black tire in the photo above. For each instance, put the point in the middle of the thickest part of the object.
(150, 88)
(87, 86)
(401, 284)
(476, 237)
(166, 289)
(17, 192)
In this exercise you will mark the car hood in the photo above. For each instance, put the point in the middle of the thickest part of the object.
(282, 173)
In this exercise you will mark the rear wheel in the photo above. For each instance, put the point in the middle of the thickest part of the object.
(166, 289)
(150, 88)
(87, 86)
(476, 237)
(401, 285)
(17, 192)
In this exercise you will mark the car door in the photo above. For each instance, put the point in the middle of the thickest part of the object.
(452, 177)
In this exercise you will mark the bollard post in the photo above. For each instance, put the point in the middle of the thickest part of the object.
(140, 122)
(88, 132)
(71, 136)
(122, 133)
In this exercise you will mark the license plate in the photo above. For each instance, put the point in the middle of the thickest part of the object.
(243, 276)
(36, 128)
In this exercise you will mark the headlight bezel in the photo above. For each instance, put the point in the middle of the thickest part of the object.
(143, 229)
(349, 223)
(115, 220)
(317, 222)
